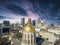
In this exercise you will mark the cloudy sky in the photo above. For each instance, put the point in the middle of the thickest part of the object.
(14, 10)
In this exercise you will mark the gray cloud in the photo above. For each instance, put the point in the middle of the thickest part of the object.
(2, 17)
(16, 9)
(46, 9)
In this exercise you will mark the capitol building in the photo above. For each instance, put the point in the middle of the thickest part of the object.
(29, 36)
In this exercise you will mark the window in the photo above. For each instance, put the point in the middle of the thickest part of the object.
(28, 41)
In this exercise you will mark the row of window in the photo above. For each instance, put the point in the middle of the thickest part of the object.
(29, 36)
(28, 41)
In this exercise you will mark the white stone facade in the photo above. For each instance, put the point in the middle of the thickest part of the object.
(28, 38)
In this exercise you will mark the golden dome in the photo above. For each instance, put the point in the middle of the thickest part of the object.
(29, 28)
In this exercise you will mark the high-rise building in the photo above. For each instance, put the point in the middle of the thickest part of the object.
(52, 25)
(0, 25)
(38, 20)
(0, 30)
(38, 23)
(5, 30)
(29, 36)
(29, 20)
(34, 22)
(6, 23)
(23, 21)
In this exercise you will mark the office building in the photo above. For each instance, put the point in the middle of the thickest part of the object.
(5, 30)
(6, 23)
(23, 21)
(38, 20)
(29, 20)
(0, 30)
(38, 23)
(34, 22)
